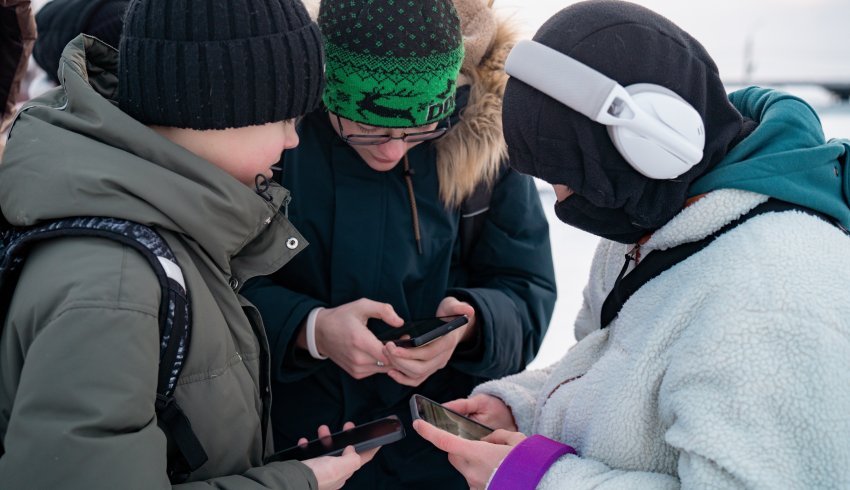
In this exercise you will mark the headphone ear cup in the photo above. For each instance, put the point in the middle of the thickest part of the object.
(648, 156)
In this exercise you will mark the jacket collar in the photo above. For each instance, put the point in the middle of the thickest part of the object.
(702, 218)
(77, 147)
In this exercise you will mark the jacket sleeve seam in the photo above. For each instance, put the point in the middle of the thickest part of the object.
(100, 305)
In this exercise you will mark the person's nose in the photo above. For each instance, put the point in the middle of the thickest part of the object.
(290, 137)
(392, 150)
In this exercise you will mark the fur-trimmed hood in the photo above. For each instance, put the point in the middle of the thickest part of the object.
(474, 149)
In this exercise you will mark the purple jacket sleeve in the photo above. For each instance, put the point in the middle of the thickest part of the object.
(526, 464)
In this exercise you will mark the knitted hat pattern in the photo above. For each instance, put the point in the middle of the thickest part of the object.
(217, 64)
(391, 63)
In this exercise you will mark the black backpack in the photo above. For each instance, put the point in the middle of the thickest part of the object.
(174, 313)
(660, 260)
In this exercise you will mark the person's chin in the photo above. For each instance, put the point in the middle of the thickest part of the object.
(267, 173)
(380, 165)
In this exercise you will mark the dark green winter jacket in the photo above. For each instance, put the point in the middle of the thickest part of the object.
(79, 347)
(359, 225)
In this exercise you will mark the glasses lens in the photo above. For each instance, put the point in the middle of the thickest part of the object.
(425, 136)
(367, 139)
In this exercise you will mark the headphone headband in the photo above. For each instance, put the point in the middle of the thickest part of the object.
(603, 100)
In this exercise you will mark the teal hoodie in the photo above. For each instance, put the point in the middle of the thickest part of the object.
(786, 157)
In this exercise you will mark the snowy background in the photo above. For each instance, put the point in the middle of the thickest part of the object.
(751, 41)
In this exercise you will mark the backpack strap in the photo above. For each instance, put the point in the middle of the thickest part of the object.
(174, 313)
(660, 260)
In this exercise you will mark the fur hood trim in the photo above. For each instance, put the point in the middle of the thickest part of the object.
(474, 150)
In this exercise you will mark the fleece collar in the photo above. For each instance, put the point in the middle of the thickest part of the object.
(702, 218)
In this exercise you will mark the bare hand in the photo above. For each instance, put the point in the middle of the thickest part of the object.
(486, 409)
(342, 335)
(475, 460)
(413, 366)
(451, 306)
(333, 471)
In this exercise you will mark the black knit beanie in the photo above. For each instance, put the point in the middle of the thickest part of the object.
(629, 44)
(60, 21)
(217, 64)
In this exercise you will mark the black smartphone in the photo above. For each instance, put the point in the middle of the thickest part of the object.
(422, 331)
(447, 420)
(363, 437)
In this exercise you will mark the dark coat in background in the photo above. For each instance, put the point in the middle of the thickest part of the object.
(62, 20)
(17, 36)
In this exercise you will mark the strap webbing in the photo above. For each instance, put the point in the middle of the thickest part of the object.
(660, 260)
(174, 313)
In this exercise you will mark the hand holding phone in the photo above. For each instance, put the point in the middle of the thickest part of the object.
(475, 460)
(413, 366)
(421, 332)
(363, 437)
(485, 409)
(447, 420)
(334, 471)
(342, 335)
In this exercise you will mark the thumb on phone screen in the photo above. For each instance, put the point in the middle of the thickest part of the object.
(382, 311)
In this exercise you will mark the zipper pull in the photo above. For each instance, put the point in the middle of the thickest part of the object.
(630, 256)
(633, 254)
(286, 206)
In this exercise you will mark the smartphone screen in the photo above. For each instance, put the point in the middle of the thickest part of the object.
(447, 420)
(421, 332)
(362, 437)
(414, 328)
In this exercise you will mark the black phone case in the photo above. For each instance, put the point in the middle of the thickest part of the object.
(432, 334)
(295, 452)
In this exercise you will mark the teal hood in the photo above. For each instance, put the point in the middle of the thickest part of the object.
(786, 157)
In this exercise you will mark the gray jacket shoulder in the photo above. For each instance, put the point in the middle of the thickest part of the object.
(67, 273)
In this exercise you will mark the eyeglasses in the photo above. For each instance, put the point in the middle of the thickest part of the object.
(380, 139)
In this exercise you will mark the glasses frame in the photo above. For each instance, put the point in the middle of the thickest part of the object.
(380, 139)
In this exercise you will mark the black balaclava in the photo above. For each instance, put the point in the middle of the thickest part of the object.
(546, 139)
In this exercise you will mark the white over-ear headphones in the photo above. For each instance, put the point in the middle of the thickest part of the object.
(656, 131)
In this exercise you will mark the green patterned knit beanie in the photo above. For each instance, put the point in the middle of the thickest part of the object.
(391, 63)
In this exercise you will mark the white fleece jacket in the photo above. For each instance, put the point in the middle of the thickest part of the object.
(731, 369)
